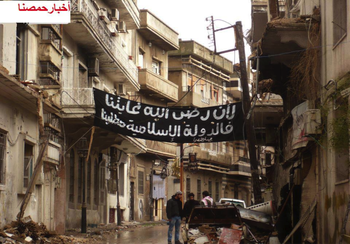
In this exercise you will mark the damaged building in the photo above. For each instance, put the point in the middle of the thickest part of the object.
(299, 52)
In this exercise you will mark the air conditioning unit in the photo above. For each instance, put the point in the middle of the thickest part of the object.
(113, 28)
(103, 14)
(121, 91)
(122, 27)
(93, 67)
(312, 122)
(115, 14)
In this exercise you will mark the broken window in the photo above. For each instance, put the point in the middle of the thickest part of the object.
(71, 176)
(28, 163)
(140, 182)
(339, 20)
(2, 157)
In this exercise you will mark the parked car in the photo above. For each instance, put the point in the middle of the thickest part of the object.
(230, 201)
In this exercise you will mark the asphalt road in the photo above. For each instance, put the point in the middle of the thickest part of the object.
(146, 235)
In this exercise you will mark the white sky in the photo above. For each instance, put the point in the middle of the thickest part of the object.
(187, 18)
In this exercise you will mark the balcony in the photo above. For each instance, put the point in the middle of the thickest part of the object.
(165, 149)
(128, 12)
(222, 67)
(196, 100)
(157, 86)
(48, 52)
(209, 157)
(241, 167)
(234, 87)
(93, 34)
(154, 30)
(78, 101)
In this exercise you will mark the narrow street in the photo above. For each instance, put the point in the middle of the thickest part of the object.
(147, 235)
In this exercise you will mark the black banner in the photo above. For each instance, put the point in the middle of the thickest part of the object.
(181, 125)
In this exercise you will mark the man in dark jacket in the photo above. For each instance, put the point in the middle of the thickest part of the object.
(189, 205)
(174, 213)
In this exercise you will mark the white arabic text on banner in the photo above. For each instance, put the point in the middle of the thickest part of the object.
(179, 125)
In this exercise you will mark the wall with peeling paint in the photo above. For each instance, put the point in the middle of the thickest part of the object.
(20, 126)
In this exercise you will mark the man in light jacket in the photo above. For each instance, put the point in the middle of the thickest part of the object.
(207, 200)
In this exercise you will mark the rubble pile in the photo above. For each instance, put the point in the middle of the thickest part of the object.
(28, 231)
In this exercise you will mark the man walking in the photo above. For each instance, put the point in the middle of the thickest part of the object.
(189, 205)
(174, 212)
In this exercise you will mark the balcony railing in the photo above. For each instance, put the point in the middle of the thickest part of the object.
(77, 97)
(112, 46)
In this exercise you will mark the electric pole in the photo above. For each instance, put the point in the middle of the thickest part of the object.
(248, 122)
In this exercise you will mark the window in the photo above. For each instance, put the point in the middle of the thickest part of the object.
(80, 179)
(88, 185)
(140, 182)
(210, 187)
(141, 54)
(214, 92)
(83, 76)
(21, 51)
(188, 186)
(28, 163)
(339, 20)
(96, 179)
(71, 176)
(67, 69)
(217, 191)
(199, 189)
(48, 33)
(2, 157)
(156, 67)
(50, 74)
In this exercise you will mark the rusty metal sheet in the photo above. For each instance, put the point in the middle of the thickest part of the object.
(230, 236)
